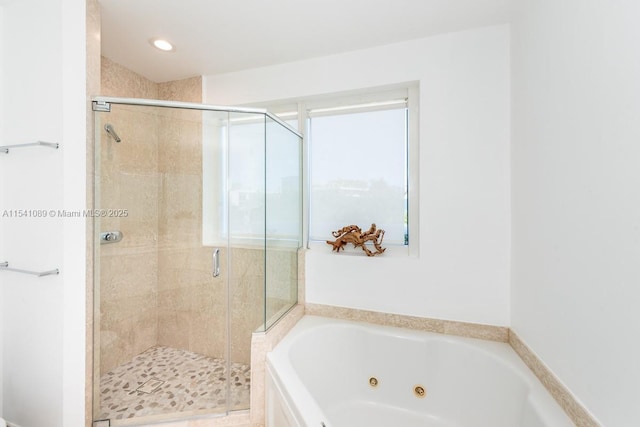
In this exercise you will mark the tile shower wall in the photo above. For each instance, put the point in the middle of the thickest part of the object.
(156, 284)
(128, 270)
(192, 304)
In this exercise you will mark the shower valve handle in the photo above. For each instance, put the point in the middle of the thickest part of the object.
(110, 237)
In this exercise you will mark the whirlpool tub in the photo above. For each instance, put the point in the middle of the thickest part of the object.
(337, 373)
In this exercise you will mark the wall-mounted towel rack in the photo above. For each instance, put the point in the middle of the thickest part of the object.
(54, 145)
(5, 266)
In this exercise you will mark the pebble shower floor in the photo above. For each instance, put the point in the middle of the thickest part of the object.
(165, 380)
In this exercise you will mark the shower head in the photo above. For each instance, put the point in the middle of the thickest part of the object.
(109, 128)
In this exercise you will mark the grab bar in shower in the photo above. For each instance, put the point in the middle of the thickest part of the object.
(5, 266)
(5, 148)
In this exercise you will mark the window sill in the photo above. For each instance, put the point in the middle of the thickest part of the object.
(393, 251)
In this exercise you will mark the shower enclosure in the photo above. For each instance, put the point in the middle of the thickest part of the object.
(197, 229)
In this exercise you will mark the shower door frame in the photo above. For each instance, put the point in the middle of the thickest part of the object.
(103, 104)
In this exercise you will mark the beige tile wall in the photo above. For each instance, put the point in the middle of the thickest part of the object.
(156, 285)
(152, 283)
(116, 80)
(262, 343)
(282, 271)
(127, 174)
(192, 304)
(186, 90)
(247, 300)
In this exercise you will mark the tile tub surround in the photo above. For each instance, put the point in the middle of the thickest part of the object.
(261, 344)
(449, 327)
(578, 414)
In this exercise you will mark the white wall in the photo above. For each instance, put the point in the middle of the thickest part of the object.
(576, 211)
(43, 332)
(462, 271)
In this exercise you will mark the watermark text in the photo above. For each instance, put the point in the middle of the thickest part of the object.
(64, 213)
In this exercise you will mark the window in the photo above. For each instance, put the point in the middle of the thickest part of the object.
(358, 171)
(361, 152)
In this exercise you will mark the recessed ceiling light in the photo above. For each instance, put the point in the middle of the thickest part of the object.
(162, 45)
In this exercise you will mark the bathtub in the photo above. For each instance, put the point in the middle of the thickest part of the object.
(337, 373)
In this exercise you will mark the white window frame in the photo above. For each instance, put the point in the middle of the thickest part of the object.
(303, 108)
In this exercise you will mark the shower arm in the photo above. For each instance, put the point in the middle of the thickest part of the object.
(109, 129)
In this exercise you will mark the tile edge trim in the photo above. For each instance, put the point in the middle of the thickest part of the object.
(447, 327)
(560, 393)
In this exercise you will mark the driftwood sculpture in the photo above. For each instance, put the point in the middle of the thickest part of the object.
(353, 234)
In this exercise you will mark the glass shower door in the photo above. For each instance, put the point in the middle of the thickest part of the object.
(161, 317)
(196, 250)
(283, 219)
(265, 223)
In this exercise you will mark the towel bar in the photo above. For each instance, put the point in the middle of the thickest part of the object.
(5, 266)
(5, 148)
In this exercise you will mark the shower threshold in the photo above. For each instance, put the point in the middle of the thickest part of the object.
(172, 382)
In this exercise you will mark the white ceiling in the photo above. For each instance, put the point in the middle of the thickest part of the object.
(219, 36)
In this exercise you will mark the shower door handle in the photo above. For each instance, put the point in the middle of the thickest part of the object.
(216, 262)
